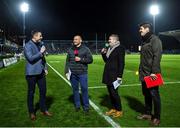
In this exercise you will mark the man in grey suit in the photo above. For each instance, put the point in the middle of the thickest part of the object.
(36, 69)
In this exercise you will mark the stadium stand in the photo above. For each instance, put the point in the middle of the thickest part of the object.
(62, 46)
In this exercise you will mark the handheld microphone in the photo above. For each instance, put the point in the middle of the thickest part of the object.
(42, 45)
(106, 46)
(76, 52)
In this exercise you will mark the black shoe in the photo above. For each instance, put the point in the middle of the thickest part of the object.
(86, 111)
(77, 109)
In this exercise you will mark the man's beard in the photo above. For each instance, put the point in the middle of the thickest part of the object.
(114, 43)
(76, 44)
(38, 40)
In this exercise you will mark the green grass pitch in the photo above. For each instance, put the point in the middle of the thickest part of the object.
(13, 91)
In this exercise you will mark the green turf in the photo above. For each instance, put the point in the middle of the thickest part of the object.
(13, 90)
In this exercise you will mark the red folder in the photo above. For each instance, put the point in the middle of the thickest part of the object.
(153, 83)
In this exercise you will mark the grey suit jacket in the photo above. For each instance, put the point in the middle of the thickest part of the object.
(34, 59)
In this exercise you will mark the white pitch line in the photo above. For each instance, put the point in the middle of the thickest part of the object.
(96, 108)
(54, 61)
(129, 85)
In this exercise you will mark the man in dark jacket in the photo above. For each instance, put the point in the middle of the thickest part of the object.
(151, 52)
(36, 69)
(114, 58)
(78, 58)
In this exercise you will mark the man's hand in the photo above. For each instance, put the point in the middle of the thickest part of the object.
(77, 59)
(153, 76)
(46, 72)
(104, 50)
(119, 79)
(42, 49)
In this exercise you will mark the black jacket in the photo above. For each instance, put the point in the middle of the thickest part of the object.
(151, 52)
(114, 65)
(78, 67)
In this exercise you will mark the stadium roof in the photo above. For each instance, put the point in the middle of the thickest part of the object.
(173, 33)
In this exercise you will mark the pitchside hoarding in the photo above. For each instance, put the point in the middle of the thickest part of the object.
(1, 64)
(9, 61)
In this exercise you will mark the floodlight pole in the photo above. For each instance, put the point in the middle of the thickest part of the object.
(154, 10)
(24, 29)
(154, 24)
(24, 7)
(96, 44)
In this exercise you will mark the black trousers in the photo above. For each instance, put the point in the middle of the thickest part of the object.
(114, 97)
(151, 96)
(40, 80)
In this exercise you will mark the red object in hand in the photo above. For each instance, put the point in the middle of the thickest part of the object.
(77, 59)
(153, 83)
(76, 52)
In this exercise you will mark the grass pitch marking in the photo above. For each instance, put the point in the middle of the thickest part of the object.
(129, 85)
(94, 106)
(55, 61)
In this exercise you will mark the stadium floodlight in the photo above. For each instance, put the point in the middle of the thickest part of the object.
(24, 7)
(154, 10)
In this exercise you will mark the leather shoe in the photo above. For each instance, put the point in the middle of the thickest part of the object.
(77, 109)
(32, 116)
(118, 114)
(46, 113)
(155, 122)
(111, 112)
(144, 117)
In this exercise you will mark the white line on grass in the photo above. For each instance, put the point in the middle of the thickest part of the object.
(128, 85)
(96, 108)
(54, 61)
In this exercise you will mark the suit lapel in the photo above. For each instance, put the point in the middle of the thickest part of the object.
(34, 47)
(112, 53)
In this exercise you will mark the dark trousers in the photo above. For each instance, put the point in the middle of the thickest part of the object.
(114, 97)
(40, 80)
(151, 95)
(83, 81)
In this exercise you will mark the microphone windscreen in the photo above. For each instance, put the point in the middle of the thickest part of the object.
(42, 43)
(76, 52)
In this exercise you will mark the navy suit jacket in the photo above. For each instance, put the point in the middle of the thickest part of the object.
(34, 59)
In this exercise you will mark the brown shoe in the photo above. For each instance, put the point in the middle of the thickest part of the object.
(46, 113)
(32, 116)
(118, 114)
(111, 112)
(144, 117)
(155, 122)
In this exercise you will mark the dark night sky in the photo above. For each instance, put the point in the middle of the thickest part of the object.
(61, 19)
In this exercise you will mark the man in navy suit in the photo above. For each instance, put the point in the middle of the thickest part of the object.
(36, 69)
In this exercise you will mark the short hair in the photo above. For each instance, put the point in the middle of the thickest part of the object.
(33, 32)
(115, 36)
(79, 36)
(146, 25)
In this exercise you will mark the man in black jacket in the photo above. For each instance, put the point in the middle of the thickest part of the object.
(78, 58)
(151, 52)
(114, 58)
